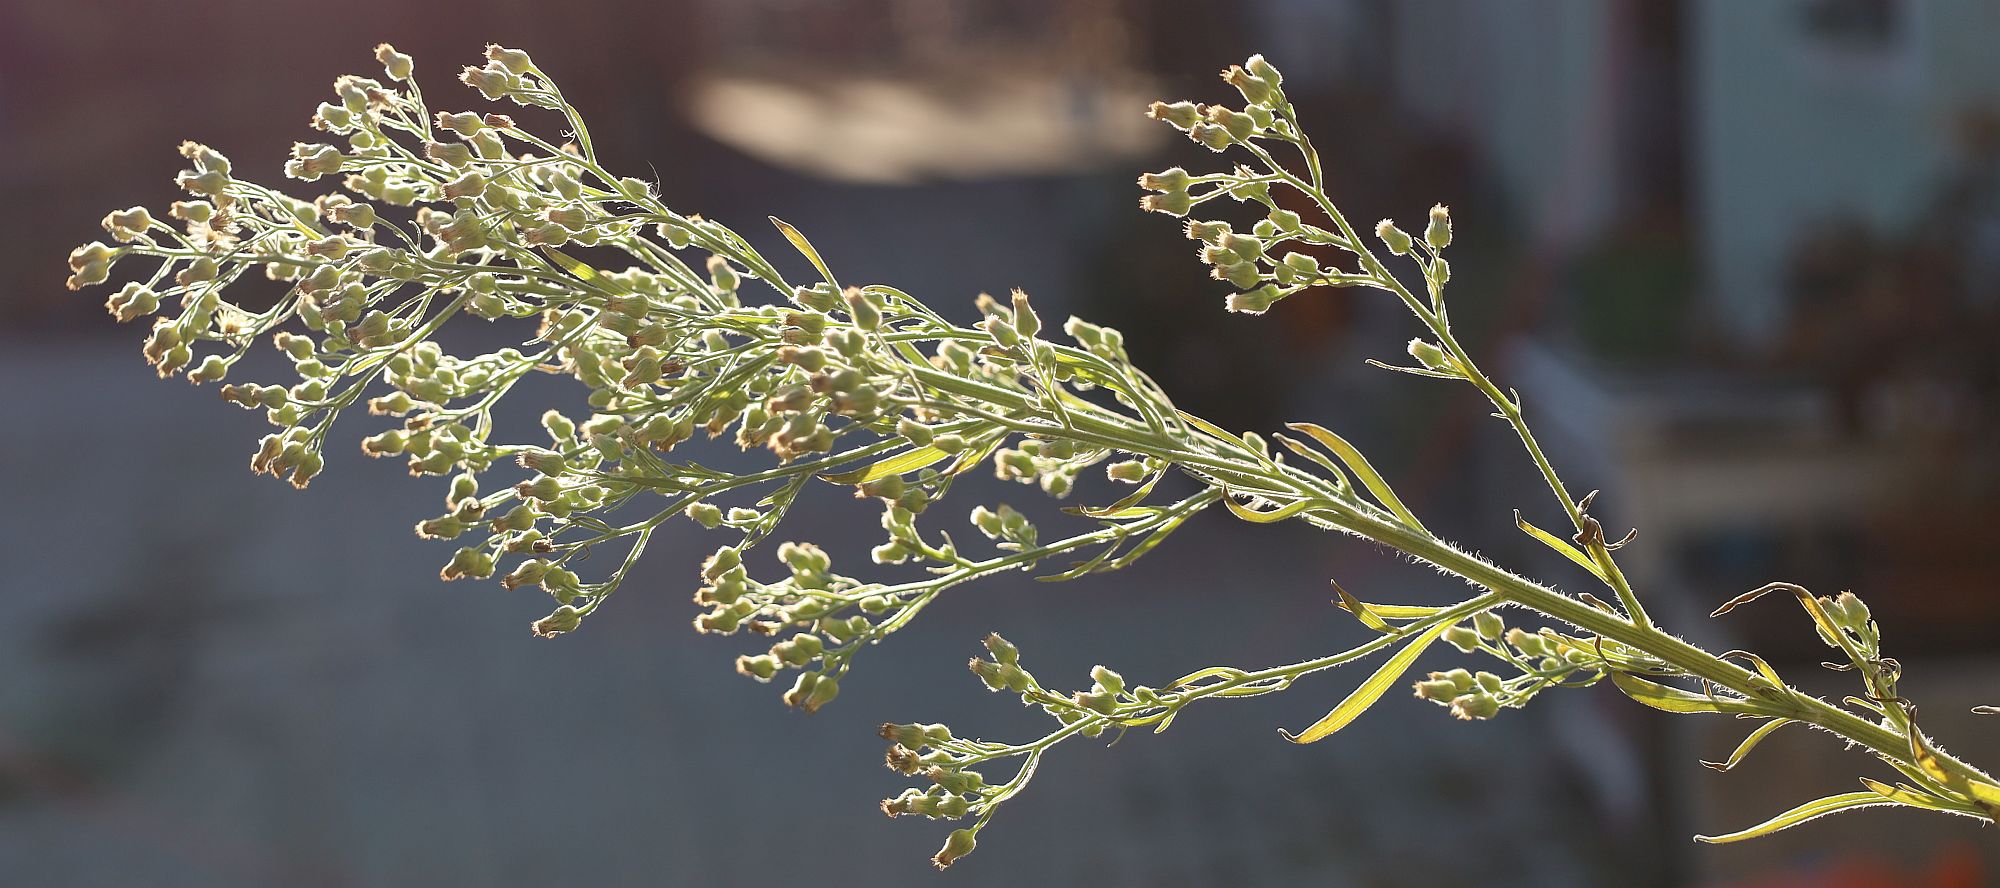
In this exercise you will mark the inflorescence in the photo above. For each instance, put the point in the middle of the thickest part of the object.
(434, 215)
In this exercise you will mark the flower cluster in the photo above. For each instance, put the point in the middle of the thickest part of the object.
(429, 217)
(452, 213)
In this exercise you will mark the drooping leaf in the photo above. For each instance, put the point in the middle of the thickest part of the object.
(1370, 690)
(1816, 808)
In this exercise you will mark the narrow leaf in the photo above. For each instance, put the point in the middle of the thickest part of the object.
(1670, 699)
(1358, 464)
(1749, 743)
(582, 270)
(1413, 371)
(1561, 546)
(1361, 611)
(1210, 672)
(1370, 690)
(1130, 500)
(1906, 794)
(1832, 804)
(805, 247)
(1255, 517)
(1209, 427)
(907, 461)
(1317, 457)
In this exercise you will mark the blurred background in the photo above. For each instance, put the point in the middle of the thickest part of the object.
(1743, 260)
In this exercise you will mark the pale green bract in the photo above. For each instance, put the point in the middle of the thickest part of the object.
(447, 214)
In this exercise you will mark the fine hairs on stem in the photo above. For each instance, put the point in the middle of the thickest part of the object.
(439, 215)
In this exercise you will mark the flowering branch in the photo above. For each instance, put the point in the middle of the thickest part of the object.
(444, 214)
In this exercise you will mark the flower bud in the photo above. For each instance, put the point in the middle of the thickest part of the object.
(1437, 690)
(1256, 90)
(1172, 203)
(1438, 232)
(1026, 322)
(957, 845)
(1254, 302)
(1462, 637)
(1130, 471)
(1257, 65)
(1171, 179)
(1110, 681)
(1003, 651)
(1430, 355)
(564, 619)
(1396, 239)
(760, 667)
(513, 60)
(708, 515)
(395, 64)
(1212, 137)
(1476, 706)
(1489, 625)
(1181, 115)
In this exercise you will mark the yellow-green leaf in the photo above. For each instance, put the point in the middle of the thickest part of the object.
(1361, 611)
(1667, 699)
(1209, 427)
(582, 270)
(1906, 794)
(1561, 546)
(805, 247)
(1370, 690)
(1749, 743)
(1252, 515)
(1210, 672)
(1358, 464)
(907, 461)
(1832, 804)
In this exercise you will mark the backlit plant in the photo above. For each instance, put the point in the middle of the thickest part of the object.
(676, 326)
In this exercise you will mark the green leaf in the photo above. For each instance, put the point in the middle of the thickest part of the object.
(1906, 794)
(1668, 699)
(1370, 690)
(1832, 804)
(582, 270)
(1361, 611)
(1749, 743)
(907, 461)
(1358, 464)
(1255, 517)
(1317, 457)
(805, 247)
(1118, 508)
(1210, 672)
(1210, 427)
(1561, 546)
